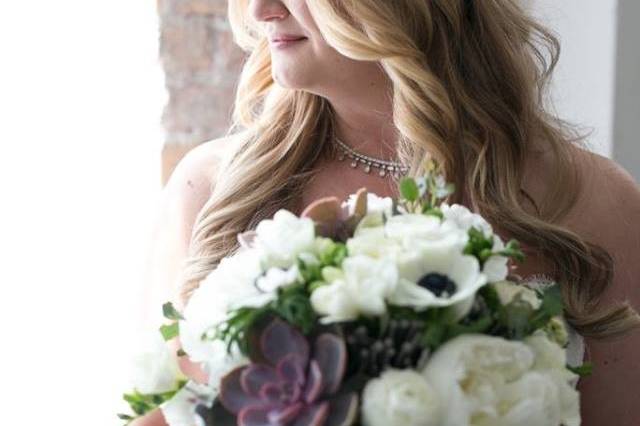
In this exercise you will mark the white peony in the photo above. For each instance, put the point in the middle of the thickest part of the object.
(363, 289)
(551, 360)
(491, 381)
(401, 398)
(282, 238)
(153, 368)
(375, 204)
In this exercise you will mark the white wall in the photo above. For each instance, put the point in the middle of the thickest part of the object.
(626, 149)
(583, 88)
(81, 95)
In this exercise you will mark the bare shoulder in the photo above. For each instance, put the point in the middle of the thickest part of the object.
(609, 202)
(184, 195)
(195, 174)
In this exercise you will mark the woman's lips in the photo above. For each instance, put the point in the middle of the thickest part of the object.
(286, 42)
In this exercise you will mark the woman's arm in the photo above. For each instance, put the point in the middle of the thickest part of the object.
(611, 395)
(184, 195)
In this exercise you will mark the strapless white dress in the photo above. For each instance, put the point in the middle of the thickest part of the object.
(576, 347)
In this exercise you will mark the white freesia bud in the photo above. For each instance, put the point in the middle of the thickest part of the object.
(557, 331)
(465, 218)
(282, 238)
(364, 289)
(495, 268)
(154, 369)
(276, 278)
(400, 398)
(508, 291)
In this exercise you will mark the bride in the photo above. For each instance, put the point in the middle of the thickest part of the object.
(338, 95)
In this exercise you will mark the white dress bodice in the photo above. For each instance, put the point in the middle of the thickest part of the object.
(575, 348)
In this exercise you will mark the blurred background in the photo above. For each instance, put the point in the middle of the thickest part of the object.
(99, 100)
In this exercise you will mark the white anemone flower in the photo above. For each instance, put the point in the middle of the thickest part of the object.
(437, 274)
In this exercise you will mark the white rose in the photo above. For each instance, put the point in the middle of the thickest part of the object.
(181, 409)
(402, 398)
(409, 227)
(154, 369)
(508, 291)
(374, 243)
(229, 286)
(366, 285)
(375, 204)
(282, 238)
(491, 381)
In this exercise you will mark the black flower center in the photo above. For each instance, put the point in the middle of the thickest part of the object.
(438, 284)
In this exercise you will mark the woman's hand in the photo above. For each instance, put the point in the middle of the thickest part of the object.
(153, 418)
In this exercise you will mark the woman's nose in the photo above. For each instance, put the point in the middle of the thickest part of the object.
(268, 10)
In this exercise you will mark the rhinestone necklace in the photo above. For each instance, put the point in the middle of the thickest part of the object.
(384, 167)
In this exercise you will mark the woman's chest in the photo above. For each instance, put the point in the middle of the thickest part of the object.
(340, 181)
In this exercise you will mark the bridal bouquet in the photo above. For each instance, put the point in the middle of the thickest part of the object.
(374, 312)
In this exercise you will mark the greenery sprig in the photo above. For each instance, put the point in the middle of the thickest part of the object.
(423, 194)
(142, 404)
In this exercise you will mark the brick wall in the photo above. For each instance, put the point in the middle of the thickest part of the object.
(201, 65)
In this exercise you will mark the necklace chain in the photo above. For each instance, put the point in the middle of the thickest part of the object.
(384, 167)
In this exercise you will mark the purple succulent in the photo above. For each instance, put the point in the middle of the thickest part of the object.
(288, 384)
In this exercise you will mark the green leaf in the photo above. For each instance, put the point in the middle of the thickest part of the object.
(552, 301)
(516, 316)
(409, 189)
(433, 212)
(583, 370)
(170, 312)
(550, 307)
(433, 335)
(513, 250)
(125, 417)
(170, 331)
(478, 326)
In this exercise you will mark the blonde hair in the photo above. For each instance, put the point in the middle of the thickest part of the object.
(469, 82)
